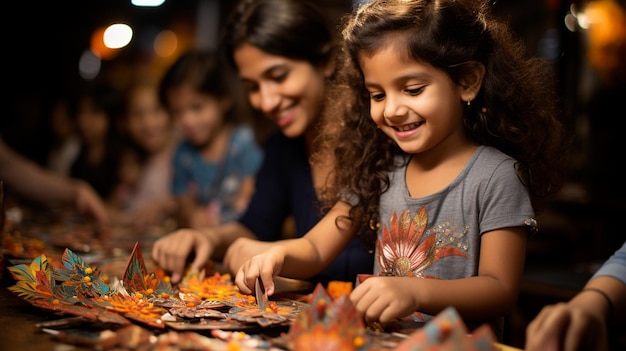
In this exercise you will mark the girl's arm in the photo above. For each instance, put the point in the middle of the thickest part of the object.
(490, 294)
(299, 258)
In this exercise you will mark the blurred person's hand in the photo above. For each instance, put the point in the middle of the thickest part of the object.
(88, 202)
(567, 326)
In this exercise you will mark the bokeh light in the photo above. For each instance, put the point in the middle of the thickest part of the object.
(165, 43)
(118, 35)
(98, 47)
(89, 65)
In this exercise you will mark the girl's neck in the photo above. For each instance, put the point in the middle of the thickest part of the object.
(216, 147)
(433, 170)
(458, 151)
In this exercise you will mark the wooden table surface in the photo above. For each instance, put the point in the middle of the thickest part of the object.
(18, 319)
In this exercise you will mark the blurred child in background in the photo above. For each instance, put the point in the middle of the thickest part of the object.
(97, 110)
(143, 194)
(216, 163)
(65, 142)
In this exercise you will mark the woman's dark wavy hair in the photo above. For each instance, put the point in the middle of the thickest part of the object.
(515, 110)
(298, 30)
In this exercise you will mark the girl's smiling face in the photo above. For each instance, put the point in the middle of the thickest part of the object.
(414, 103)
(200, 116)
(288, 92)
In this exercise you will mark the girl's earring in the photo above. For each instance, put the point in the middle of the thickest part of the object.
(469, 102)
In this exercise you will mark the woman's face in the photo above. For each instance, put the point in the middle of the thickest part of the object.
(148, 121)
(288, 92)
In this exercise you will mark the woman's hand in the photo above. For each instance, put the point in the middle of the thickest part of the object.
(171, 251)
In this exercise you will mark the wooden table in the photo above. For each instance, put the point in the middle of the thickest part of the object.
(18, 319)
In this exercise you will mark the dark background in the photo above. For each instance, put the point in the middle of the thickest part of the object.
(42, 42)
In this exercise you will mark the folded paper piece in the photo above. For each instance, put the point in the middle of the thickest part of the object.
(447, 332)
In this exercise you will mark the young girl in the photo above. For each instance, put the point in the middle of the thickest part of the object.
(214, 167)
(283, 51)
(143, 196)
(444, 135)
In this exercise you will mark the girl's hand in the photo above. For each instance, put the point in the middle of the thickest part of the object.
(240, 251)
(384, 299)
(265, 266)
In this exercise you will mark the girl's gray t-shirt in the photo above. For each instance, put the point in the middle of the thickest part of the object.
(438, 236)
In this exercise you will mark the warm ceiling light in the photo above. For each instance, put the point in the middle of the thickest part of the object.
(117, 35)
(147, 3)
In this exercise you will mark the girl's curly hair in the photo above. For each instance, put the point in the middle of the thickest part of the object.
(515, 110)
